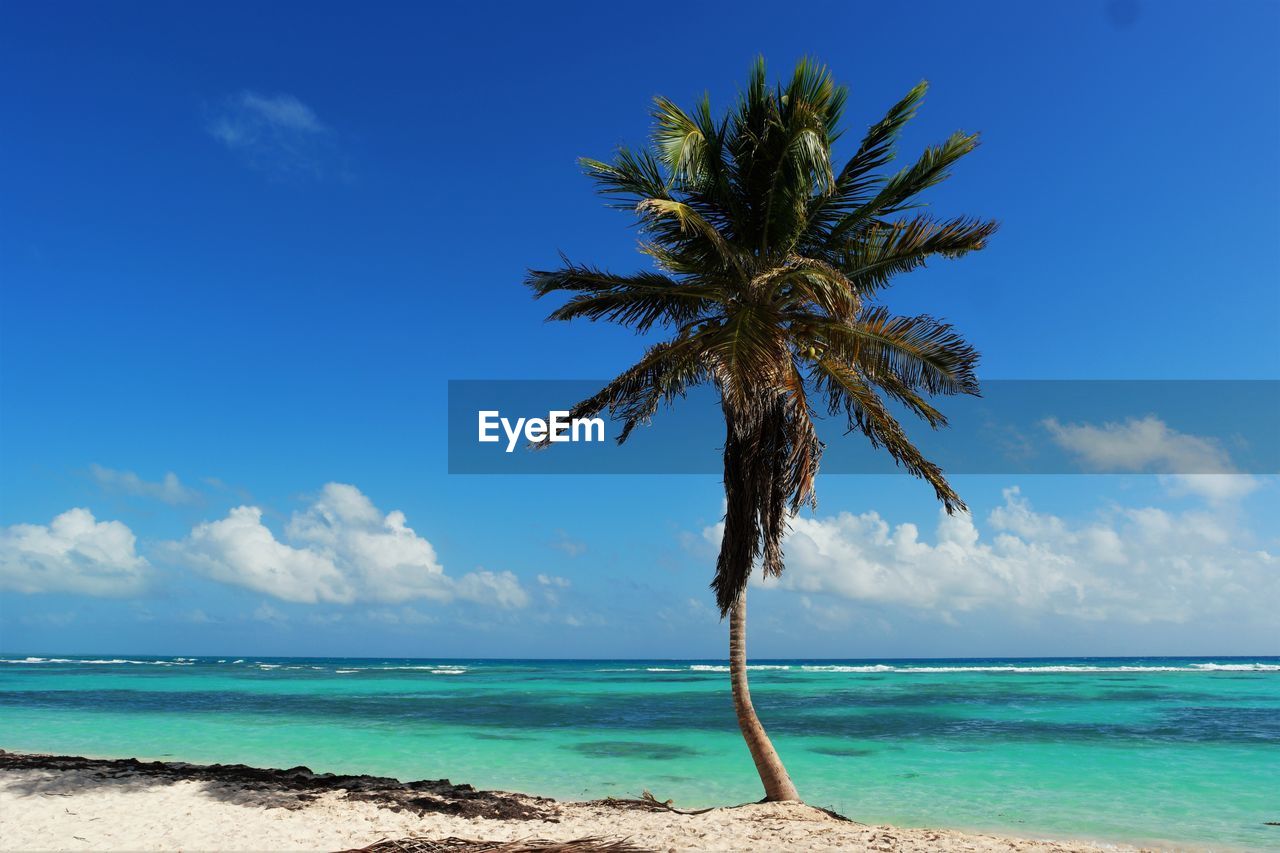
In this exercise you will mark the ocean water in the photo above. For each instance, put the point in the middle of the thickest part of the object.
(1165, 750)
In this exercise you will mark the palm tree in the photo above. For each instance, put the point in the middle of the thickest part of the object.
(768, 264)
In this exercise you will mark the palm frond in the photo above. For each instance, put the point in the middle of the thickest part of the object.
(885, 251)
(689, 227)
(808, 287)
(639, 300)
(848, 392)
(921, 352)
(681, 142)
(747, 350)
(931, 169)
(632, 177)
(798, 144)
(860, 174)
(666, 372)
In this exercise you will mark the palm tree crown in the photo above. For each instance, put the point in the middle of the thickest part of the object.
(769, 262)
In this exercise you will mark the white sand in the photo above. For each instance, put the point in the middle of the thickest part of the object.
(68, 810)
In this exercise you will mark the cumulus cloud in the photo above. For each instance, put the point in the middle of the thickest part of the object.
(1129, 564)
(1190, 464)
(340, 549)
(485, 587)
(384, 558)
(73, 553)
(240, 549)
(169, 489)
(277, 133)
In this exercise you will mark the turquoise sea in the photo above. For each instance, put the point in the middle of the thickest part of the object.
(1173, 750)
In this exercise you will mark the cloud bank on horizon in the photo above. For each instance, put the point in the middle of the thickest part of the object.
(1126, 564)
(341, 549)
(1130, 564)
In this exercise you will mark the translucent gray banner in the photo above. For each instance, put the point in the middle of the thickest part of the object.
(1017, 426)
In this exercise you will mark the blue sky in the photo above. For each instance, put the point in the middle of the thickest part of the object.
(245, 247)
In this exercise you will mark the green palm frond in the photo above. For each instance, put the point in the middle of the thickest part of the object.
(809, 287)
(798, 145)
(681, 143)
(638, 301)
(667, 371)
(885, 251)
(860, 175)
(632, 177)
(899, 191)
(678, 223)
(921, 352)
(850, 393)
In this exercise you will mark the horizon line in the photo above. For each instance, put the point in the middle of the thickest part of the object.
(42, 655)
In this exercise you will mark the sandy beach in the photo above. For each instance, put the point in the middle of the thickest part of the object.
(66, 803)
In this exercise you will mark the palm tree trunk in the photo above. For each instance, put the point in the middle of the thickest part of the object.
(777, 784)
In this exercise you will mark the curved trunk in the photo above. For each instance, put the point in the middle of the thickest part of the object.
(777, 784)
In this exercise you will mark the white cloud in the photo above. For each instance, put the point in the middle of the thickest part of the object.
(169, 489)
(1136, 565)
(340, 549)
(284, 111)
(385, 559)
(551, 584)
(1216, 488)
(485, 587)
(277, 133)
(1190, 464)
(74, 553)
(250, 119)
(572, 547)
(240, 549)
